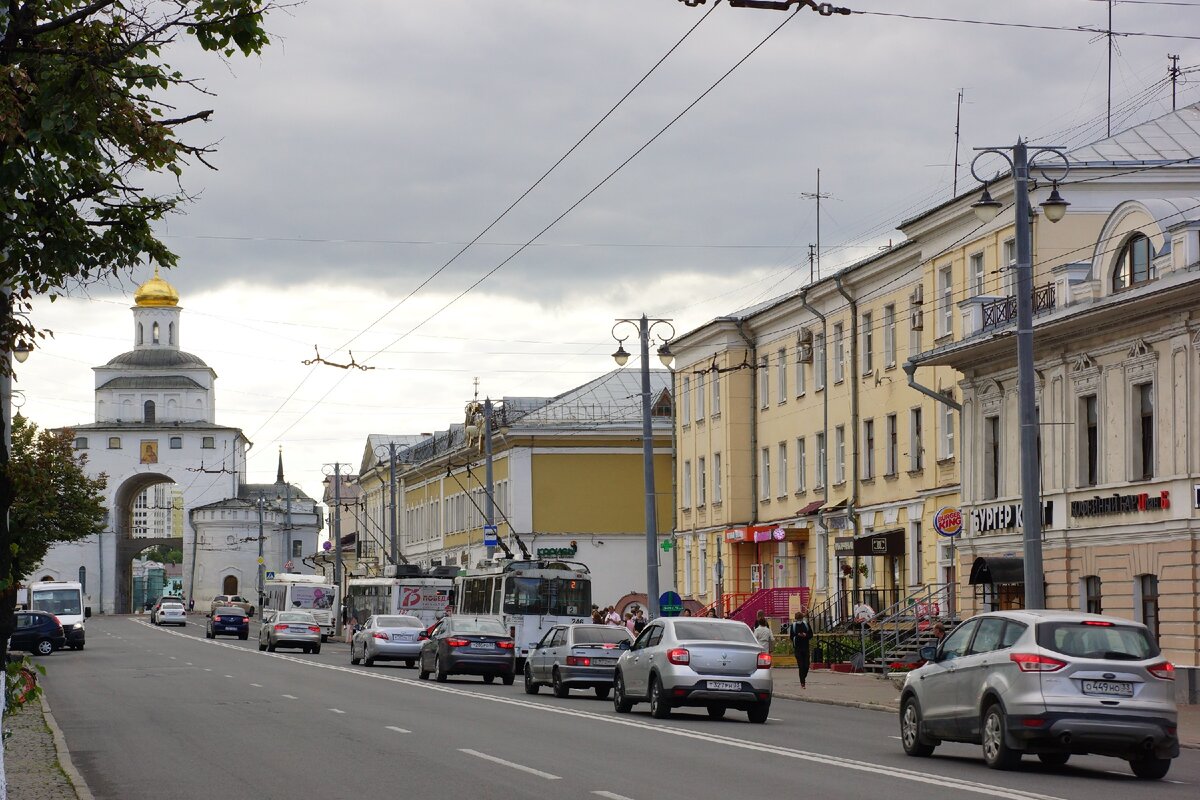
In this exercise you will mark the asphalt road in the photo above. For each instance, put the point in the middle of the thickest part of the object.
(162, 712)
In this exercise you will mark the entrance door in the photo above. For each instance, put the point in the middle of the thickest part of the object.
(229, 585)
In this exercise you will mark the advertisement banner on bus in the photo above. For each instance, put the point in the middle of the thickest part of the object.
(423, 598)
(309, 597)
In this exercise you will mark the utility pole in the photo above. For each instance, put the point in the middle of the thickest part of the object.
(957, 131)
(261, 565)
(488, 409)
(395, 544)
(334, 471)
(1173, 72)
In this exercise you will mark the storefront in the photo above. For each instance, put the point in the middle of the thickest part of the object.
(999, 582)
(766, 557)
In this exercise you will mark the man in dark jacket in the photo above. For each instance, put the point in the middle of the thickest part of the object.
(801, 633)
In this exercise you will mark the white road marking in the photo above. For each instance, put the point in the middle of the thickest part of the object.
(256, 685)
(291, 697)
(514, 765)
(398, 730)
(228, 676)
(189, 663)
(208, 669)
(337, 711)
(775, 719)
(894, 737)
(612, 796)
(173, 658)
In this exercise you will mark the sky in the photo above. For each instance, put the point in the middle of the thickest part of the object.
(374, 139)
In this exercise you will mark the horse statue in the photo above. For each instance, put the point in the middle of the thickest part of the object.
(474, 424)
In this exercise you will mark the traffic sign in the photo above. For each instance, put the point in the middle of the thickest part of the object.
(261, 561)
(270, 576)
(490, 537)
(670, 604)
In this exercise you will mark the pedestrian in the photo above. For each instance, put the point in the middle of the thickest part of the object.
(191, 605)
(639, 621)
(939, 633)
(687, 612)
(801, 638)
(760, 618)
(597, 616)
(612, 617)
(712, 612)
(762, 632)
(629, 623)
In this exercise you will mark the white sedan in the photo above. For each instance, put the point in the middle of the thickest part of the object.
(387, 637)
(170, 614)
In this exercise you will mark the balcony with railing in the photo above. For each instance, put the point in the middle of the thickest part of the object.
(986, 313)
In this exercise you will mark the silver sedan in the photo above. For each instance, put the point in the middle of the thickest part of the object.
(291, 629)
(576, 657)
(387, 637)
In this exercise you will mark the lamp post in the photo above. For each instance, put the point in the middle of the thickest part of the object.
(389, 451)
(334, 471)
(1055, 208)
(645, 327)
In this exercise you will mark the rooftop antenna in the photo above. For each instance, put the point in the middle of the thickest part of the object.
(818, 197)
(957, 129)
(1110, 54)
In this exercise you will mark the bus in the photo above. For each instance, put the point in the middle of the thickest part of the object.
(531, 595)
(425, 595)
(63, 599)
(312, 593)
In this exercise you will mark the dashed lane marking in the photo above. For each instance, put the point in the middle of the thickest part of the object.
(612, 795)
(398, 730)
(256, 685)
(337, 711)
(291, 697)
(512, 764)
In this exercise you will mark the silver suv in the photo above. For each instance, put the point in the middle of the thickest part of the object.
(686, 661)
(1050, 683)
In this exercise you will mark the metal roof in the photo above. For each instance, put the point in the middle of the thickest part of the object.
(1171, 137)
(614, 398)
(151, 382)
(159, 357)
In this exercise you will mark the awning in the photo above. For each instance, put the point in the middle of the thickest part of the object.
(993, 570)
(885, 543)
(811, 508)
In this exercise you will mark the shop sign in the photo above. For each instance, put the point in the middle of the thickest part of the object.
(751, 533)
(1121, 504)
(843, 546)
(948, 521)
(1003, 517)
(887, 543)
(558, 552)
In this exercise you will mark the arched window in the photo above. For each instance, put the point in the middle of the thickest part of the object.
(148, 412)
(171, 333)
(154, 331)
(139, 333)
(1136, 264)
(229, 585)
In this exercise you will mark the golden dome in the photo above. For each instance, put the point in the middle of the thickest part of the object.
(156, 292)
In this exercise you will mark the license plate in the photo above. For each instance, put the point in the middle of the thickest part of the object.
(401, 637)
(604, 662)
(482, 646)
(1109, 688)
(298, 629)
(725, 686)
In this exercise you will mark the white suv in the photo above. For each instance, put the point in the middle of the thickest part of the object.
(1050, 683)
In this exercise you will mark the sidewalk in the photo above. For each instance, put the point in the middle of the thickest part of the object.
(32, 758)
(878, 694)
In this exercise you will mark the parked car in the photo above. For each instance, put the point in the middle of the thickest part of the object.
(469, 645)
(224, 600)
(291, 629)
(576, 657)
(686, 661)
(157, 604)
(38, 632)
(1048, 683)
(170, 614)
(228, 621)
(387, 637)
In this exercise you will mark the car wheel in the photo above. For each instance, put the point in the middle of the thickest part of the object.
(996, 752)
(602, 691)
(758, 714)
(270, 647)
(560, 688)
(1150, 768)
(716, 712)
(1054, 759)
(243, 636)
(439, 671)
(660, 707)
(422, 673)
(910, 729)
(621, 703)
(45, 647)
(366, 659)
(209, 635)
(531, 686)
(353, 658)
(508, 679)
(261, 646)
(316, 650)
(489, 678)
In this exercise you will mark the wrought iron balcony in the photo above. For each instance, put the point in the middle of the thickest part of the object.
(1003, 311)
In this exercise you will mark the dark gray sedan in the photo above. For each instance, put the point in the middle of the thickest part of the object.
(576, 657)
(468, 645)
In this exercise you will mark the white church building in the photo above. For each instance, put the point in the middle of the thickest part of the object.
(176, 477)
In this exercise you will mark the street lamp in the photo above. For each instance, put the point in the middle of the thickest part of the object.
(1055, 207)
(389, 451)
(645, 327)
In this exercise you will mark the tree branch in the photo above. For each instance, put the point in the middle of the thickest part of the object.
(62, 22)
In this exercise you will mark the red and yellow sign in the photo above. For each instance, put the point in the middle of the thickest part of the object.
(948, 521)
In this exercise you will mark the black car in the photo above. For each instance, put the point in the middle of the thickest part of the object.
(228, 621)
(468, 645)
(38, 632)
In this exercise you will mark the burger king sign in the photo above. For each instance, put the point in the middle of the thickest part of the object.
(948, 522)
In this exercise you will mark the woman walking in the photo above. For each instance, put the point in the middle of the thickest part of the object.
(801, 636)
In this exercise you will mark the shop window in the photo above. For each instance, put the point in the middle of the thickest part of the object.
(1091, 595)
(1135, 265)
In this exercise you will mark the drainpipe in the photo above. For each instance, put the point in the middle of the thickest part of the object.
(754, 411)
(910, 369)
(852, 506)
(824, 466)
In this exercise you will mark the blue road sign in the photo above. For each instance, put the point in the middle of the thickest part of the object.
(671, 604)
(270, 576)
(490, 535)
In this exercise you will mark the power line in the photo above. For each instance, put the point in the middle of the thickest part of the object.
(1025, 25)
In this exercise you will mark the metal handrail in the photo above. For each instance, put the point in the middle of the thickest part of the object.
(900, 623)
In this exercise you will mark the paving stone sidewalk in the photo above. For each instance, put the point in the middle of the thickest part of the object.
(31, 758)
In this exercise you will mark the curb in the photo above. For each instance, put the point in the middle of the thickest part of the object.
(64, 755)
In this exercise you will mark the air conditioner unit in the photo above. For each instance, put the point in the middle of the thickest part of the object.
(918, 319)
(918, 295)
(805, 336)
(804, 353)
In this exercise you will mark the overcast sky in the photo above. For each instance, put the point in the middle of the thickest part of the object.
(375, 137)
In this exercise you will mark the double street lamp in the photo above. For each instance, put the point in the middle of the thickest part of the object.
(1055, 207)
(645, 328)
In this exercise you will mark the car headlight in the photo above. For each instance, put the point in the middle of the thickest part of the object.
(78, 626)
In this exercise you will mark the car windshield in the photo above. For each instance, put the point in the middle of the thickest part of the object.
(398, 622)
(566, 597)
(230, 611)
(485, 625)
(714, 631)
(57, 601)
(601, 634)
(1096, 639)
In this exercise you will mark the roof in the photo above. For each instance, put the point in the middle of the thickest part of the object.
(1171, 137)
(613, 398)
(158, 358)
(152, 427)
(379, 442)
(151, 382)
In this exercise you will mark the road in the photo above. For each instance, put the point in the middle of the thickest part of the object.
(152, 712)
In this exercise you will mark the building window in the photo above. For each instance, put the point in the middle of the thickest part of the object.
(764, 382)
(819, 366)
(297, 548)
(148, 412)
(976, 274)
(114, 443)
(781, 376)
(81, 443)
(839, 457)
(892, 446)
(716, 478)
(699, 397)
(208, 443)
(764, 476)
(1148, 602)
(839, 353)
(140, 334)
(687, 400)
(801, 472)
(822, 464)
(716, 395)
(154, 333)
(1089, 442)
(687, 484)
(868, 456)
(1091, 595)
(176, 442)
(868, 344)
(947, 438)
(687, 570)
(702, 571)
(783, 469)
(946, 298)
(916, 556)
(1010, 266)
(916, 450)
(800, 370)
(701, 482)
(1136, 264)
(1143, 431)
(991, 458)
(171, 333)
(889, 336)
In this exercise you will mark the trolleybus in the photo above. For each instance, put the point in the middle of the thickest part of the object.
(312, 593)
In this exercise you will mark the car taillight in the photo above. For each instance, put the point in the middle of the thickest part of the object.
(764, 660)
(56, 622)
(1032, 662)
(679, 655)
(504, 645)
(1099, 623)
(578, 661)
(1165, 670)
(314, 628)
(281, 627)
(380, 635)
(458, 642)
